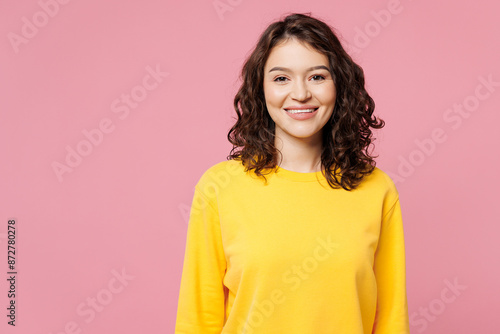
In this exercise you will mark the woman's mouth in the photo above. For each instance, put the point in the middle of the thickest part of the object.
(302, 114)
(298, 111)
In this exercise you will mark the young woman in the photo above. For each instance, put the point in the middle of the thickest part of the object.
(298, 231)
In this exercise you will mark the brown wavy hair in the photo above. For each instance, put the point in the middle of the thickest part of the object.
(346, 136)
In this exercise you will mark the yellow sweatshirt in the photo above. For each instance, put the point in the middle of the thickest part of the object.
(292, 256)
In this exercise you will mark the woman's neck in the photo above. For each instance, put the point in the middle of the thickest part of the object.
(303, 156)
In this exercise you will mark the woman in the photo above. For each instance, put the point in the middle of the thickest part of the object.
(298, 231)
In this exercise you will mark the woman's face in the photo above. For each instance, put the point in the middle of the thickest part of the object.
(297, 76)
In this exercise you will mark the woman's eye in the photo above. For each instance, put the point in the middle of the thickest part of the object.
(320, 76)
(276, 79)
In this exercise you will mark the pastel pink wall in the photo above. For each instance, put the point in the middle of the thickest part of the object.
(100, 247)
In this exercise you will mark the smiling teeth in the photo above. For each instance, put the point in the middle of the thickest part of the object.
(297, 111)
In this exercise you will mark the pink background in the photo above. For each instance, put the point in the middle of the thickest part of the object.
(124, 206)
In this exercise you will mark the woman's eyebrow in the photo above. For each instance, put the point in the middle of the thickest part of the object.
(284, 69)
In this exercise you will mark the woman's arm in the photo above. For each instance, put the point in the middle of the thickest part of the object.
(390, 272)
(201, 304)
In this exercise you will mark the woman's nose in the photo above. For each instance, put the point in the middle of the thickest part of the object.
(300, 91)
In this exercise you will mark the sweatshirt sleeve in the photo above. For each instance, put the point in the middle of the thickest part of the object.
(201, 303)
(389, 266)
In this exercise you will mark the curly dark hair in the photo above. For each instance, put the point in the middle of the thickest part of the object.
(346, 136)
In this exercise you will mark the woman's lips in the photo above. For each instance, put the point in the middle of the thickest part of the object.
(303, 114)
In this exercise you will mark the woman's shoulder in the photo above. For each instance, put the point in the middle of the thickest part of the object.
(221, 172)
(380, 179)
